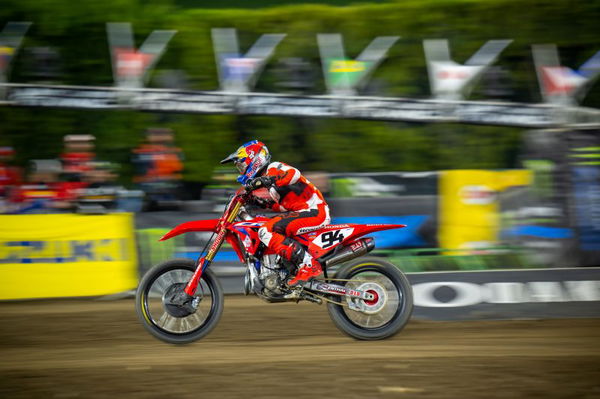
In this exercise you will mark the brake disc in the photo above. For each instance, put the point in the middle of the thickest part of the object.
(370, 306)
(177, 302)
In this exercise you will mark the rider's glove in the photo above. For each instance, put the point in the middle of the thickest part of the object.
(259, 182)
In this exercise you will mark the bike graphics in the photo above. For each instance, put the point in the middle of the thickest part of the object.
(180, 301)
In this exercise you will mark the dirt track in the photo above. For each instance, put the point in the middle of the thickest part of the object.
(88, 349)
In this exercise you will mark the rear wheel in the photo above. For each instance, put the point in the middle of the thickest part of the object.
(386, 313)
(159, 307)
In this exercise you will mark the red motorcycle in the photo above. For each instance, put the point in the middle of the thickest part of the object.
(180, 301)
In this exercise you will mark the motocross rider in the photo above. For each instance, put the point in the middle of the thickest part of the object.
(302, 206)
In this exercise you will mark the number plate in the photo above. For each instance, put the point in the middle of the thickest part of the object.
(332, 238)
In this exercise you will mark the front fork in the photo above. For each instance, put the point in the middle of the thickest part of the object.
(204, 262)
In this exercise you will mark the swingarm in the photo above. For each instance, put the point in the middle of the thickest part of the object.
(329, 288)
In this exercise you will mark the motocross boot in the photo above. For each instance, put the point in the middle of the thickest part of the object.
(308, 269)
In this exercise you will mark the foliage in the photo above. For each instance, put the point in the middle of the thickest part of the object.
(77, 31)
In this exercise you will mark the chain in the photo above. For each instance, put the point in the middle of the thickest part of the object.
(324, 298)
(342, 279)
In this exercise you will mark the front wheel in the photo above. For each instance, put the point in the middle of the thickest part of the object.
(163, 314)
(383, 316)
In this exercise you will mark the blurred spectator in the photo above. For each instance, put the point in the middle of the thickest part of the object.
(158, 166)
(101, 192)
(10, 176)
(43, 190)
(77, 156)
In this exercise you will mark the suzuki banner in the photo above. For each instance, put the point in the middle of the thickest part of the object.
(43, 256)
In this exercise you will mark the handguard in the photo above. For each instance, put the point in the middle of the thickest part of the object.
(259, 182)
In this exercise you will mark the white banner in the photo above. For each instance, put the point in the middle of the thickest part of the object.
(238, 72)
(450, 80)
(353, 107)
(131, 65)
(562, 85)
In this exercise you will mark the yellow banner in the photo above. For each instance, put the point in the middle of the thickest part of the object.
(469, 208)
(338, 66)
(43, 256)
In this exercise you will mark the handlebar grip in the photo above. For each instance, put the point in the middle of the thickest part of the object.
(253, 185)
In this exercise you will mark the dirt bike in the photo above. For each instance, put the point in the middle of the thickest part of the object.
(180, 301)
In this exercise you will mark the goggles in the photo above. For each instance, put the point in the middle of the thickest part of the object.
(241, 166)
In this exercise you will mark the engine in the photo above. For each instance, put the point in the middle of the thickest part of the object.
(272, 276)
(268, 283)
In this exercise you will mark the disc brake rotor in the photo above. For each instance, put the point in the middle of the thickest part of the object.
(175, 302)
(373, 305)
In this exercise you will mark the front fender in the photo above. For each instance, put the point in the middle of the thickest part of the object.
(196, 225)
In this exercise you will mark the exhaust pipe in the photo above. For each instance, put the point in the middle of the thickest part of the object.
(350, 251)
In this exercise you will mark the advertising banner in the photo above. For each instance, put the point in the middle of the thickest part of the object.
(44, 256)
(584, 198)
(540, 220)
(450, 80)
(352, 107)
(562, 85)
(469, 206)
(344, 72)
(507, 294)
(131, 65)
(238, 72)
(344, 75)
(560, 217)
(498, 294)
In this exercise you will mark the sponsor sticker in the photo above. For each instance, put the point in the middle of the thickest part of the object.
(331, 238)
(477, 195)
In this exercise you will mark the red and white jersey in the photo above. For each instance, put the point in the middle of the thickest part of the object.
(292, 191)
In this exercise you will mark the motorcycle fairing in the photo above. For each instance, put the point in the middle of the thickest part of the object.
(247, 233)
(195, 225)
(319, 242)
(322, 241)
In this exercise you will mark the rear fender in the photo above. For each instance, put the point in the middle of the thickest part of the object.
(196, 225)
(325, 240)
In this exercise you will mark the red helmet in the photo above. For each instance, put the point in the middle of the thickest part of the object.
(250, 159)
